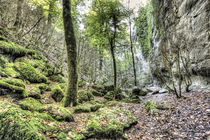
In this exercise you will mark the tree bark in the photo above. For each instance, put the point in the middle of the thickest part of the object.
(133, 58)
(112, 47)
(19, 13)
(71, 93)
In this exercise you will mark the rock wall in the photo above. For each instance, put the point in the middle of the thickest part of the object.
(184, 24)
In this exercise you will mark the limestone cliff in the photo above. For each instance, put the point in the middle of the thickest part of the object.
(182, 24)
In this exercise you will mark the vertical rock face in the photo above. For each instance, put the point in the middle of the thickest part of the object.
(184, 24)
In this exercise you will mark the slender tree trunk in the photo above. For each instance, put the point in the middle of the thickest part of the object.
(133, 58)
(112, 47)
(19, 13)
(50, 15)
(71, 93)
(100, 59)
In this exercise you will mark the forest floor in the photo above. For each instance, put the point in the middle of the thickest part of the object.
(187, 118)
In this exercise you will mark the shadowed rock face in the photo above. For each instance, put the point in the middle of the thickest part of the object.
(185, 24)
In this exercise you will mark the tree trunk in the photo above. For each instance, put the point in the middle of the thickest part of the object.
(19, 13)
(50, 15)
(100, 59)
(114, 63)
(133, 58)
(71, 93)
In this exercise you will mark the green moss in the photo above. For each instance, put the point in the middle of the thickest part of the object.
(80, 109)
(111, 103)
(99, 88)
(109, 96)
(131, 100)
(62, 136)
(29, 73)
(59, 113)
(84, 96)
(96, 93)
(14, 49)
(44, 87)
(78, 137)
(19, 91)
(109, 123)
(57, 78)
(151, 107)
(44, 67)
(81, 83)
(15, 82)
(19, 124)
(3, 61)
(57, 93)
(11, 72)
(95, 107)
(35, 92)
(32, 105)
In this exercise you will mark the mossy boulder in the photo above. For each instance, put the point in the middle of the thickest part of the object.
(57, 78)
(44, 67)
(18, 124)
(80, 109)
(109, 123)
(96, 93)
(32, 105)
(44, 87)
(28, 72)
(87, 108)
(84, 96)
(99, 88)
(20, 92)
(15, 82)
(109, 88)
(59, 113)
(15, 50)
(11, 72)
(57, 93)
(139, 92)
(110, 95)
(35, 92)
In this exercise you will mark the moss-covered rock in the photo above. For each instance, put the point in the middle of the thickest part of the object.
(44, 67)
(99, 88)
(59, 113)
(57, 78)
(96, 93)
(80, 109)
(32, 105)
(44, 87)
(109, 123)
(84, 96)
(109, 88)
(19, 124)
(95, 107)
(10, 71)
(109, 96)
(35, 92)
(57, 93)
(19, 91)
(15, 82)
(13, 49)
(28, 72)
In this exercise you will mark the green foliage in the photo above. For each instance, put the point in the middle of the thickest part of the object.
(57, 93)
(14, 49)
(151, 107)
(84, 96)
(32, 105)
(15, 82)
(28, 72)
(18, 124)
(62, 136)
(144, 28)
(81, 83)
(19, 91)
(108, 123)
